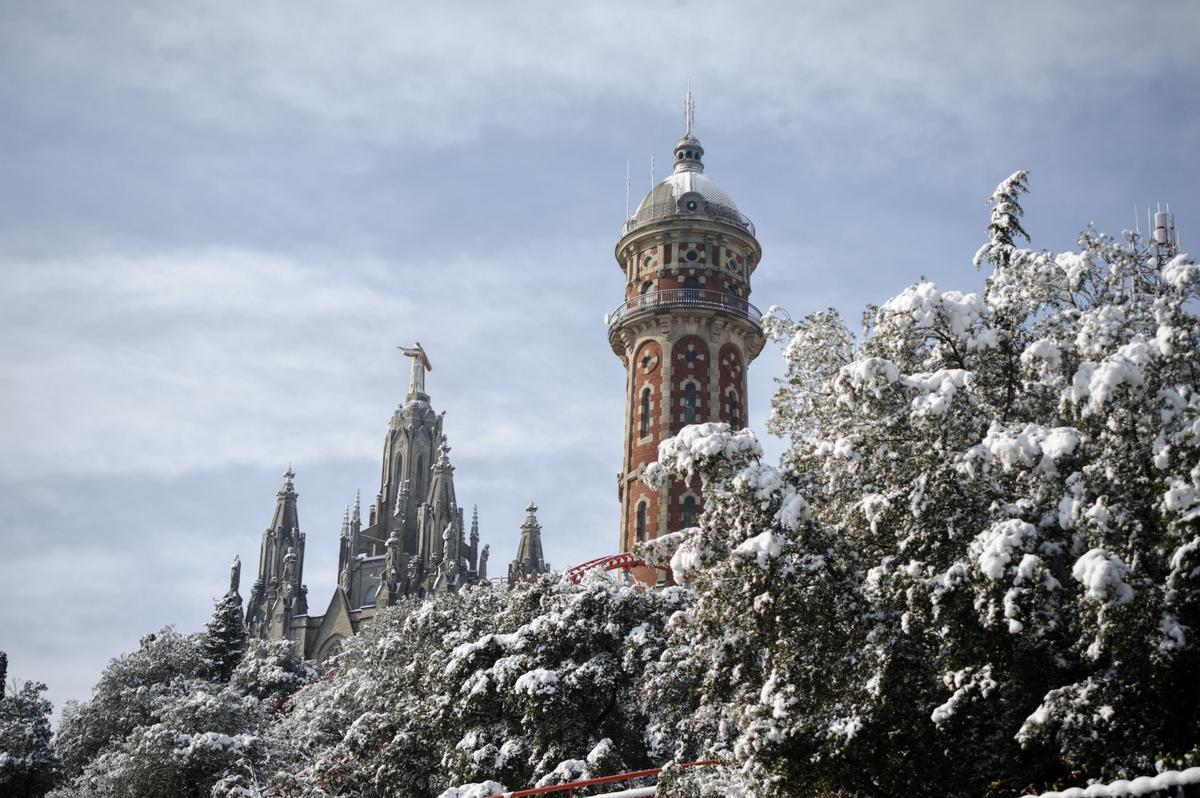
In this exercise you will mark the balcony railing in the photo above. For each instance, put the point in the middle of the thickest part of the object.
(661, 210)
(697, 298)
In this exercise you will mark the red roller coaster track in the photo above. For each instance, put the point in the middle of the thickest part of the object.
(569, 789)
(612, 562)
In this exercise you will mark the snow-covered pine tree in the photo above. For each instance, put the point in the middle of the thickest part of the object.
(159, 723)
(977, 567)
(223, 642)
(28, 766)
(128, 694)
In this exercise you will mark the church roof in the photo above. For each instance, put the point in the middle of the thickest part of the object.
(286, 519)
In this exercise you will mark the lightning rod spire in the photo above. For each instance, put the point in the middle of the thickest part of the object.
(689, 110)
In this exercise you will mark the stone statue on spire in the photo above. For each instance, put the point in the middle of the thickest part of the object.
(235, 574)
(420, 365)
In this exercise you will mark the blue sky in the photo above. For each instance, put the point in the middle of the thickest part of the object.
(217, 222)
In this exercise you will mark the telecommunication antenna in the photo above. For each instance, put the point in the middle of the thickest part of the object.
(1162, 239)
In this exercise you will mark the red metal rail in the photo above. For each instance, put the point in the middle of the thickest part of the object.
(612, 562)
(570, 787)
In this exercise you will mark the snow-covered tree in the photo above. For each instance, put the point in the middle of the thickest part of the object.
(977, 567)
(164, 721)
(535, 685)
(130, 693)
(27, 762)
(223, 641)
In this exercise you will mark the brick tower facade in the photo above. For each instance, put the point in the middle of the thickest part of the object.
(685, 332)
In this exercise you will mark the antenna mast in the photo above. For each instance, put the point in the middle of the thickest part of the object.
(626, 189)
(689, 110)
(1162, 240)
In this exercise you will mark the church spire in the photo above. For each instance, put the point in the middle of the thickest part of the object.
(473, 548)
(286, 521)
(279, 590)
(529, 560)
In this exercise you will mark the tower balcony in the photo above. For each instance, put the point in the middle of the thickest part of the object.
(686, 299)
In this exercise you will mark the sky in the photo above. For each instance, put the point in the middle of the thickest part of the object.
(217, 222)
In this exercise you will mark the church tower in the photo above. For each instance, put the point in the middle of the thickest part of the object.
(279, 594)
(685, 332)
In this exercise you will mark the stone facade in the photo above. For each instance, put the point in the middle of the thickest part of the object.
(413, 542)
(685, 332)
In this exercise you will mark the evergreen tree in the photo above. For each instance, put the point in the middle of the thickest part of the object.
(159, 723)
(27, 763)
(977, 568)
(223, 642)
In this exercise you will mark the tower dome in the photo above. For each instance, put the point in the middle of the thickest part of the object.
(687, 191)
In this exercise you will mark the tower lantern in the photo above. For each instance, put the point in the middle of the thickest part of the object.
(685, 332)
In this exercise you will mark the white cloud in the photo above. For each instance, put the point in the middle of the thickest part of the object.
(163, 362)
(449, 71)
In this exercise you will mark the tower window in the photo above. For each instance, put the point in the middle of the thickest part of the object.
(735, 411)
(641, 522)
(646, 286)
(644, 428)
(692, 254)
(688, 516)
(689, 403)
(691, 288)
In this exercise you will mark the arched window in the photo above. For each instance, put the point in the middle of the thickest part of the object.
(689, 403)
(691, 288)
(399, 478)
(644, 428)
(647, 287)
(735, 411)
(641, 522)
(418, 480)
(372, 594)
(688, 516)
